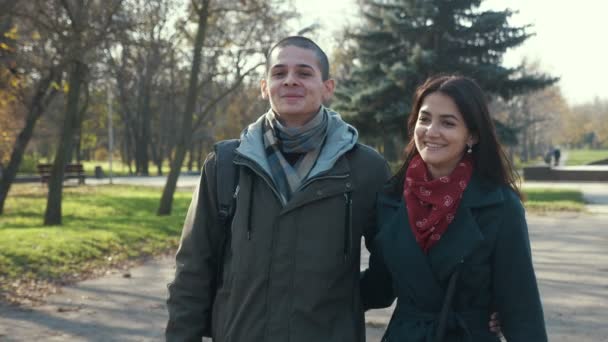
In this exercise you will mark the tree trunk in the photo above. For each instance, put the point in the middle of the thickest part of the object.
(524, 145)
(191, 149)
(199, 156)
(166, 201)
(156, 149)
(79, 120)
(127, 155)
(37, 107)
(52, 215)
(145, 122)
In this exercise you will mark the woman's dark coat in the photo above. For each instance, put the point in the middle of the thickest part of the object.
(488, 241)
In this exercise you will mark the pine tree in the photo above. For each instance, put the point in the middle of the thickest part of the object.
(402, 42)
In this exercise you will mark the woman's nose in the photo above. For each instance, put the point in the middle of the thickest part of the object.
(432, 129)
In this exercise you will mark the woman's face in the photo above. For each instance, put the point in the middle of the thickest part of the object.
(440, 134)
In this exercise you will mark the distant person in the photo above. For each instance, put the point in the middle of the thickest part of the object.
(452, 243)
(548, 157)
(556, 155)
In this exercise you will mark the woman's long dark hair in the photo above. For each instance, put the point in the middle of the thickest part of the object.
(489, 159)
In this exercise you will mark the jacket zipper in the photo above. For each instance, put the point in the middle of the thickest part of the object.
(347, 197)
(262, 175)
(249, 210)
(348, 212)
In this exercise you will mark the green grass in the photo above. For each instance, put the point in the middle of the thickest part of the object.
(105, 225)
(583, 157)
(101, 225)
(121, 169)
(543, 199)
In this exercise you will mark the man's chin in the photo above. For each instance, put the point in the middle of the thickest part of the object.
(292, 112)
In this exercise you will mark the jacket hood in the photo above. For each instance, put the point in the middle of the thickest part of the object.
(341, 138)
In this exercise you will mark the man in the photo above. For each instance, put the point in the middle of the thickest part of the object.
(306, 194)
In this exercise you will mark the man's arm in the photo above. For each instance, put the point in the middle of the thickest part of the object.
(192, 291)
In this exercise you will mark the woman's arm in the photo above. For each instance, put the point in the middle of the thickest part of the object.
(376, 281)
(515, 291)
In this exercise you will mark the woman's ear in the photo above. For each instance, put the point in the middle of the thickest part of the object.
(473, 140)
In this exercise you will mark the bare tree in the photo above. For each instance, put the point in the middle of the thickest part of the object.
(85, 25)
(232, 38)
(202, 11)
(39, 69)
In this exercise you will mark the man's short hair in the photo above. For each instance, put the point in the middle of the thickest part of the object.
(304, 43)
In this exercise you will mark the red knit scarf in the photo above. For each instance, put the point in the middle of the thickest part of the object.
(432, 204)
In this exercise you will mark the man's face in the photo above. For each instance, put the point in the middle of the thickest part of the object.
(294, 85)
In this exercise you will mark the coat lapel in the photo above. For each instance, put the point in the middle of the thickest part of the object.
(463, 235)
(404, 257)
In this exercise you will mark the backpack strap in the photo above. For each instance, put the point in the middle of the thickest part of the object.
(226, 189)
(226, 179)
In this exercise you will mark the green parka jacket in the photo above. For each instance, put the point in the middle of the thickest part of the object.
(488, 241)
(290, 272)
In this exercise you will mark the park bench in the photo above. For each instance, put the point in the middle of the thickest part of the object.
(71, 171)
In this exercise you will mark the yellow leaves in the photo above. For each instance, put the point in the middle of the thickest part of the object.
(9, 127)
(15, 82)
(4, 46)
(63, 87)
(36, 35)
(12, 33)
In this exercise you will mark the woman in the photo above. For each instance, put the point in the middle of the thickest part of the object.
(452, 243)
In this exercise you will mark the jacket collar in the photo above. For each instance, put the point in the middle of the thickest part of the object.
(330, 183)
(460, 240)
(341, 138)
(478, 194)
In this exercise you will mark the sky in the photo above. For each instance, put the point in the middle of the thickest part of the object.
(570, 41)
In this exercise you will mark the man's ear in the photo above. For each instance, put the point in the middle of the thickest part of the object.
(330, 86)
(264, 89)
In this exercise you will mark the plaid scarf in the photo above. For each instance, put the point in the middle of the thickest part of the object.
(432, 204)
(306, 139)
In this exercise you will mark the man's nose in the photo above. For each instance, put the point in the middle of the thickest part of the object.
(290, 79)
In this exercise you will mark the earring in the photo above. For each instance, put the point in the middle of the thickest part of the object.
(470, 150)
